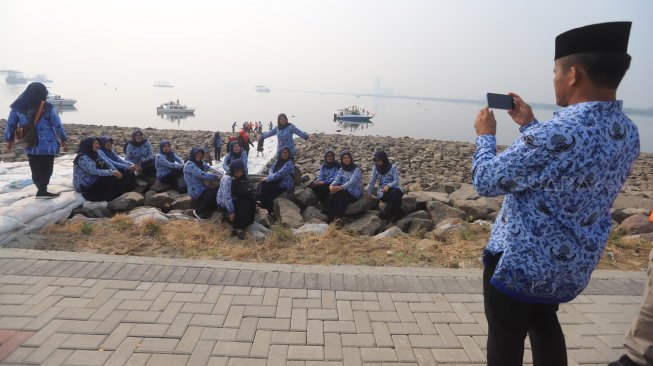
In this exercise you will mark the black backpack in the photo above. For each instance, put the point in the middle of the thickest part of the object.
(242, 188)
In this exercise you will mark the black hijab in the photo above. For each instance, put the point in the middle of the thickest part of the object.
(86, 148)
(279, 126)
(103, 141)
(29, 100)
(385, 168)
(280, 161)
(351, 166)
(231, 150)
(334, 163)
(194, 151)
(170, 155)
(236, 165)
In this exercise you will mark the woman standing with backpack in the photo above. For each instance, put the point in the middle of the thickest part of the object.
(38, 121)
(235, 195)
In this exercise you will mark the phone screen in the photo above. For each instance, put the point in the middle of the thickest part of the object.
(500, 101)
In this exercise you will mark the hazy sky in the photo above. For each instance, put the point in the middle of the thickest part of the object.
(426, 48)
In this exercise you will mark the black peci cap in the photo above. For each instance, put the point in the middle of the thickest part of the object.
(596, 38)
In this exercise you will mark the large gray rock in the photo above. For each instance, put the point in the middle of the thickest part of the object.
(423, 197)
(141, 214)
(158, 200)
(389, 233)
(447, 227)
(408, 204)
(287, 212)
(404, 223)
(480, 208)
(93, 210)
(420, 226)
(465, 192)
(637, 224)
(126, 202)
(181, 203)
(159, 187)
(312, 212)
(257, 231)
(622, 214)
(363, 204)
(628, 200)
(263, 217)
(305, 197)
(439, 211)
(368, 224)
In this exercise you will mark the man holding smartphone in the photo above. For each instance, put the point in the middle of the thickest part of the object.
(559, 180)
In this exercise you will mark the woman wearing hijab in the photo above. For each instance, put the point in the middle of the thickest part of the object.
(169, 167)
(346, 187)
(285, 132)
(49, 131)
(235, 153)
(217, 145)
(139, 152)
(279, 179)
(328, 171)
(195, 174)
(389, 190)
(93, 175)
(126, 168)
(234, 196)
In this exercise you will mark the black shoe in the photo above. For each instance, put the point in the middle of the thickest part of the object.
(46, 196)
(240, 234)
(623, 361)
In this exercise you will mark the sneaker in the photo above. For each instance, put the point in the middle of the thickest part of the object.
(46, 196)
(623, 361)
(199, 216)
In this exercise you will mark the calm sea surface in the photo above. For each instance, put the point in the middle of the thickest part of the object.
(133, 103)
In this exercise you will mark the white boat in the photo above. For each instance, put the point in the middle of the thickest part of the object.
(174, 108)
(262, 89)
(353, 114)
(58, 100)
(163, 84)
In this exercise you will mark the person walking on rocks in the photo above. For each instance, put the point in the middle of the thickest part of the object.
(93, 175)
(328, 171)
(197, 176)
(236, 197)
(285, 132)
(32, 114)
(278, 181)
(235, 153)
(217, 145)
(389, 190)
(170, 167)
(126, 168)
(559, 180)
(139, 151)
(346, 187)
(233, 127)
(259, 146)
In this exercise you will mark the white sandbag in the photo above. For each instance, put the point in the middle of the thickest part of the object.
(140, 214)
(316, 229)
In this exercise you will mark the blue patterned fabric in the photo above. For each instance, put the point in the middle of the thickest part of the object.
(284, 175)
(165, 166)
(285, 136)
(226, 161)
(352, 181)
(195, 178)
(117, 160)
(49, 130)
(86, 172)
(224, 198)
(560, 179)
(390, 179)
(327, 174)
(139, 154)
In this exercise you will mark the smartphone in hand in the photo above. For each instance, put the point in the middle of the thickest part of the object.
(500, 101)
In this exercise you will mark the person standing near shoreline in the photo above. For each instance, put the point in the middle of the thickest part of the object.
(217, 145)
(32, 109)
(233, 127)
(559, 180)
(285, 132)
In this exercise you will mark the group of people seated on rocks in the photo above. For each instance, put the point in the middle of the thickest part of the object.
(100, 174)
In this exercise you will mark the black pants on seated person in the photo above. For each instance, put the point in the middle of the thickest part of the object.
(206, 203)
(510, 320)
(104, 189)
(393, 198)
(337, 204)
(322, 192)
(175, 180)
(128, 180)
(245, 210)
(267, 193)
(149, 169)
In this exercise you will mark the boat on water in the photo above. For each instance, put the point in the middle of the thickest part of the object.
(262, 89)
(353, 114)
(59, 101)
(41, 78)
(174, 108)
(163, 84)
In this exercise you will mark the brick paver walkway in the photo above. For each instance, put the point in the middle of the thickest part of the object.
(84, 309)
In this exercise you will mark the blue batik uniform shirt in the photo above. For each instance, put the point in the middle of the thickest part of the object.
(559, 180)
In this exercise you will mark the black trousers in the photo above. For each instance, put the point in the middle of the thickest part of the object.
(510, 320)
(175, 180)
(392, 199)
(322, 192)
(245, 210)
(218, 151)
(336, 204)
(41, 167)
(267, 193)
(149, 169)
(128, 180)
(206, 203)
(104, 189)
